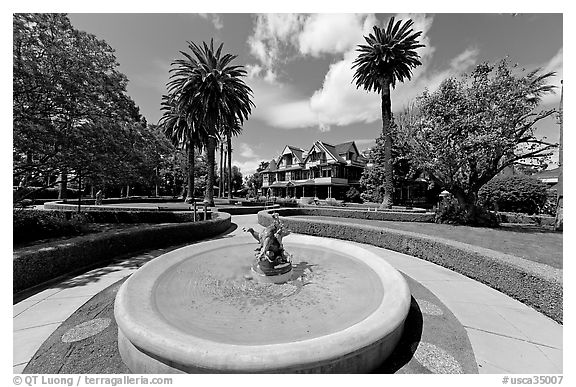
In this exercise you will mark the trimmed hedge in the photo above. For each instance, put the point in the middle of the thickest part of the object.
(30, 225)
(390, 215)
(534, 284)
(543, 221)
(88, 205)
(518, 193)
(244, 210)
(37, 265)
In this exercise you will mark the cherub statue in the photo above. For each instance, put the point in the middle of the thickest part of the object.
(270, 239)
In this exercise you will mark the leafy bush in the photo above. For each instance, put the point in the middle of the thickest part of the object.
(30, 225)
(286, 202)
(353, 195)
(41, 193)
(517, 193)
(549, 208)
(307, 200)
(451, 212)
(333, 202)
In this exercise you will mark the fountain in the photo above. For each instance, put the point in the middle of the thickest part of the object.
(327, 306)
(272, 264)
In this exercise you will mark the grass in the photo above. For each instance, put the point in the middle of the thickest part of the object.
(535, 245)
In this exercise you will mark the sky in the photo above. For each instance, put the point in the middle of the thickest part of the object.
(299, 66)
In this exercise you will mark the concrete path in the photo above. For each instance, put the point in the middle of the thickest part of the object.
(506, 335)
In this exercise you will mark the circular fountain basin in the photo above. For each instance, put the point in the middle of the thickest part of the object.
(196, 310)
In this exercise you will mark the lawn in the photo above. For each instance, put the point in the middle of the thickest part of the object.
(535, 245)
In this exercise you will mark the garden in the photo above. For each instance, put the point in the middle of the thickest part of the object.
(95, 184)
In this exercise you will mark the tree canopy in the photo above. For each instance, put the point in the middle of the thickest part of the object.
(471, 128)
(71, 111)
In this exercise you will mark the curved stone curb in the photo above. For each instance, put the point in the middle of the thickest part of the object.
(33, 266)
(149, 342)
(537, 285)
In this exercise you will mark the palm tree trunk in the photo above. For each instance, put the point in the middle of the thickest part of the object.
(386, 132)
(210, 153)
(229, 145)
(190, 194)
(221, 183)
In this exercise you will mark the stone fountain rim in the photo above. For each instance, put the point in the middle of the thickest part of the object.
(146, 329)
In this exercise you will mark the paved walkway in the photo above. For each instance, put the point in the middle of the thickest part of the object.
(506, 335)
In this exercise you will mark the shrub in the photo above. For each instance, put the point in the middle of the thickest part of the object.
(286, 202)
(333, 202)
(517, 193)
(30, 225)
(549, 208)
(41, 193)
(451, 212)
(353, 195)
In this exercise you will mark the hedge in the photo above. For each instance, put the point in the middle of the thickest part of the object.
(532, 283)
(244, 210)
(389, 215)
(543, 221)
(88, 205)
(33, 266)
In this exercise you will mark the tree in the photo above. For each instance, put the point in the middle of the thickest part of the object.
(231, 130)
(70, 105)
(210, 93)
(179, 126)
(389, 56)
(254, 182)
(373, 178)
(463, 134)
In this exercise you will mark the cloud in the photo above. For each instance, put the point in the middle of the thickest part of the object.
(272, 33)
(465, 59)
(338, 101)
(214, 18)
(247, 167)
(330, 33)
(246, 151)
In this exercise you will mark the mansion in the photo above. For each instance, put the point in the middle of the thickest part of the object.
(324, 171)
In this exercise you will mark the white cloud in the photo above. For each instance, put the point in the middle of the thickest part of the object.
(330, 33)
(214, 18)
(247, 167)
(273, 32)
(338, 101)
(465, 59)
(246, 151)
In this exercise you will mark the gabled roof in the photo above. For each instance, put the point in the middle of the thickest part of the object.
(299, 153)
(331, 149)
(271, 166)
(345, 147)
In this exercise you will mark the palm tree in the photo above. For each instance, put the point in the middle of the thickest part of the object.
(210, 93)
(389, 56)
(181, 133)
(231, 130)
